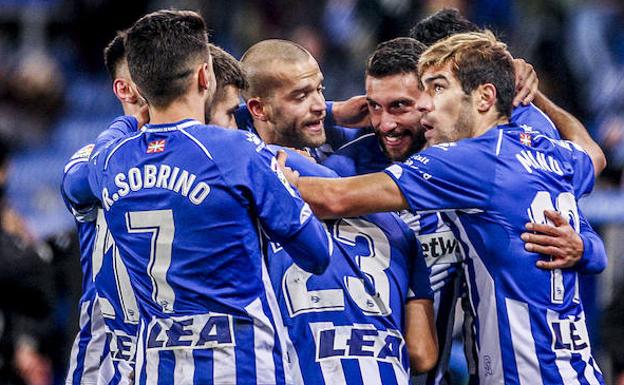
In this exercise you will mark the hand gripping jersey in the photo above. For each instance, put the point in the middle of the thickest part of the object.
(346, 325)
(364, 155)
(529, 323)
(184, 203)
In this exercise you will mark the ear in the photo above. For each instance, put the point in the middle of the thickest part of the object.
(125, 91)
(486, 96)
(258, 109)
(204, 78)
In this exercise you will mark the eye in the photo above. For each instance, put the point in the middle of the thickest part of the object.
(320, 89)
(373, 106)
(437, 88)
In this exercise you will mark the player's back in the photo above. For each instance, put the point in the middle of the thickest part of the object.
(530, 326)
(184, 203)
(346, 325)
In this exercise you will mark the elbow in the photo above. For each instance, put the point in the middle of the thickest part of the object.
(424, 359)
(601, 163)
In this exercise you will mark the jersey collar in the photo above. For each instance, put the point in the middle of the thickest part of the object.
(165, 127)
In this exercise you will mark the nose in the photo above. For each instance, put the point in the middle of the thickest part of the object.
(318, 103)
(387, 122)
(424, 102)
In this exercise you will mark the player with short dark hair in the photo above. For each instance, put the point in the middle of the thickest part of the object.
(207, 308)
(231, 82)
(107, 304)
(529, 323)
(442, 24)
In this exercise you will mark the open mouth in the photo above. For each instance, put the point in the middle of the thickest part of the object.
(315, 126)
(395, 139)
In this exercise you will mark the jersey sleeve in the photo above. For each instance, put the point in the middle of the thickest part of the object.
(75, 188)
(594, 259)
(532, 117)
(440, 178)
(284, 216)
(584, 177)
(306, 167)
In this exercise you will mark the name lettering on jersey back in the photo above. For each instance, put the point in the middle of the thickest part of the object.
(570, 334)
(535, 160)
(162, 176)
(359, 342)
(191, 332)
(122, 346)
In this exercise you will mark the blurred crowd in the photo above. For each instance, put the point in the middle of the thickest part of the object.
(54, 97)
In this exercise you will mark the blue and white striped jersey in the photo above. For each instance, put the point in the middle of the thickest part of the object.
(185, 203)
(347, 325)
(440, 247)
(88, 350)
(529, 323)
(114, 302)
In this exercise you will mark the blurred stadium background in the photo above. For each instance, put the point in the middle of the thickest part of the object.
(55, 97)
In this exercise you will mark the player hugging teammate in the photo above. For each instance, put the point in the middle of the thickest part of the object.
(328, 243)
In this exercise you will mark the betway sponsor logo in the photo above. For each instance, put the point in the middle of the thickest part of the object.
(441, 247)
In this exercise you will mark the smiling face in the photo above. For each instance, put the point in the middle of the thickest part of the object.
(392, 105)
(448, 112)
(296, 108)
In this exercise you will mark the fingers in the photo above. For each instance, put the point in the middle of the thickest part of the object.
(526, 82)
(556, 218)
(554, 264)
(546, 250)
(542, 240)
(543, 228)
(281, 158)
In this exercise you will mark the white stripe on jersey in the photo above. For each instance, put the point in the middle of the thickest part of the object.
(224, 365)
(332, 369)
(401, 375)
(107, 371)
(370, 370)
(73, 360)
(290, 360)
(152, 361)
(264, 342)
(140, 354)
(95, 348)
(523, 344)
(490, 358)
(564, 356)
(184, 366)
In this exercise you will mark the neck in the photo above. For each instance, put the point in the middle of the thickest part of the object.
(183, 108)
(264, 130)
(487, 121)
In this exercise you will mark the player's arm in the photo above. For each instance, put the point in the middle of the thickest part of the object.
(420, 335)
(75, 186)
(420, 332)
(284, 216)
(348, 197)
(573, 130)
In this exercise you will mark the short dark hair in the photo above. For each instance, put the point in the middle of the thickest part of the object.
(115, 53)
(162, 48)
(440, 25)
(227, 69)
(396, 56)
(475, 58)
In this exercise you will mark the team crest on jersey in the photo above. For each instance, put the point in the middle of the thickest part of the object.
(156, 146)
(84, 152)
(525, 138)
